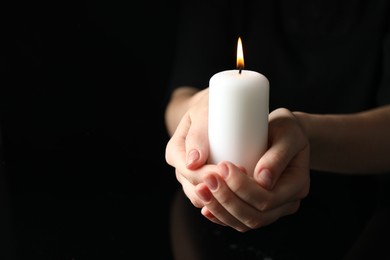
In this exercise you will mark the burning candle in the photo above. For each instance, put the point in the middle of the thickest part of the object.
(238, 115)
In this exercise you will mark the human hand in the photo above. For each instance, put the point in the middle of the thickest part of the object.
(281, 175)
(187, 149)
(280, 182)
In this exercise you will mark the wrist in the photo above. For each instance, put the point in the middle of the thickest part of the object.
(304, 121)
(178, 105)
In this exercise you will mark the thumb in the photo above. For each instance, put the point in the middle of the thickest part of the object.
(197, 146)
(271, 165)
(287, 141)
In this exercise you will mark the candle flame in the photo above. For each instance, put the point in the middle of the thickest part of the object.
(240, 55)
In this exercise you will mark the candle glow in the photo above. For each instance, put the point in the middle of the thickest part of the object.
(240, 55)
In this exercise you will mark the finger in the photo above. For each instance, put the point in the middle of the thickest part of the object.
(175, 151)
(197, 148)
(293, 185)
(196, 141)
(189, 191)
(220, 213)
(206, 195)
(188, 179)
(286, 141)
(232, 211)
(206, 212)
(268, 217)
(295, 180)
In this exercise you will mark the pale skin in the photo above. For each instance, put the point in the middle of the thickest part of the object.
(226, 194)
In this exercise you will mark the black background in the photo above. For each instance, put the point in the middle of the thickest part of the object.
(82, 126)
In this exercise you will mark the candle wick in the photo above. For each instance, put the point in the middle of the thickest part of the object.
(239, 71)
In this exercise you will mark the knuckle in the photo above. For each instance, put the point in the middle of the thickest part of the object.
(293, 208)
(305, 191)
(278, 156)
(168, 157)
(195, 201)
(254, 223)
(243, 229)
(265, 205)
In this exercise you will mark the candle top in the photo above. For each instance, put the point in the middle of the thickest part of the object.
(234, 77)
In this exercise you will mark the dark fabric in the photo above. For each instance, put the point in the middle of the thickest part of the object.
(321, 229)
(194, 237)
(320, 57)
(81, 98)
(326, 56)
(7, 236)
(373, 242)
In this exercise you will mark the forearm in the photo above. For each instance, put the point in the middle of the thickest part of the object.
(181, 99)
(351, 143)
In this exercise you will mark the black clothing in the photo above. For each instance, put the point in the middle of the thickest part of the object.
(320, 57)
(82, 89)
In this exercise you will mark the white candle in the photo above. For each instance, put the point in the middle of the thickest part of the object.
(238, 117)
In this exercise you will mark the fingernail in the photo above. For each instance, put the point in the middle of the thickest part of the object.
(204, 195)
(211, 182)
(264, 177)
(192, 156)
(224, 170)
